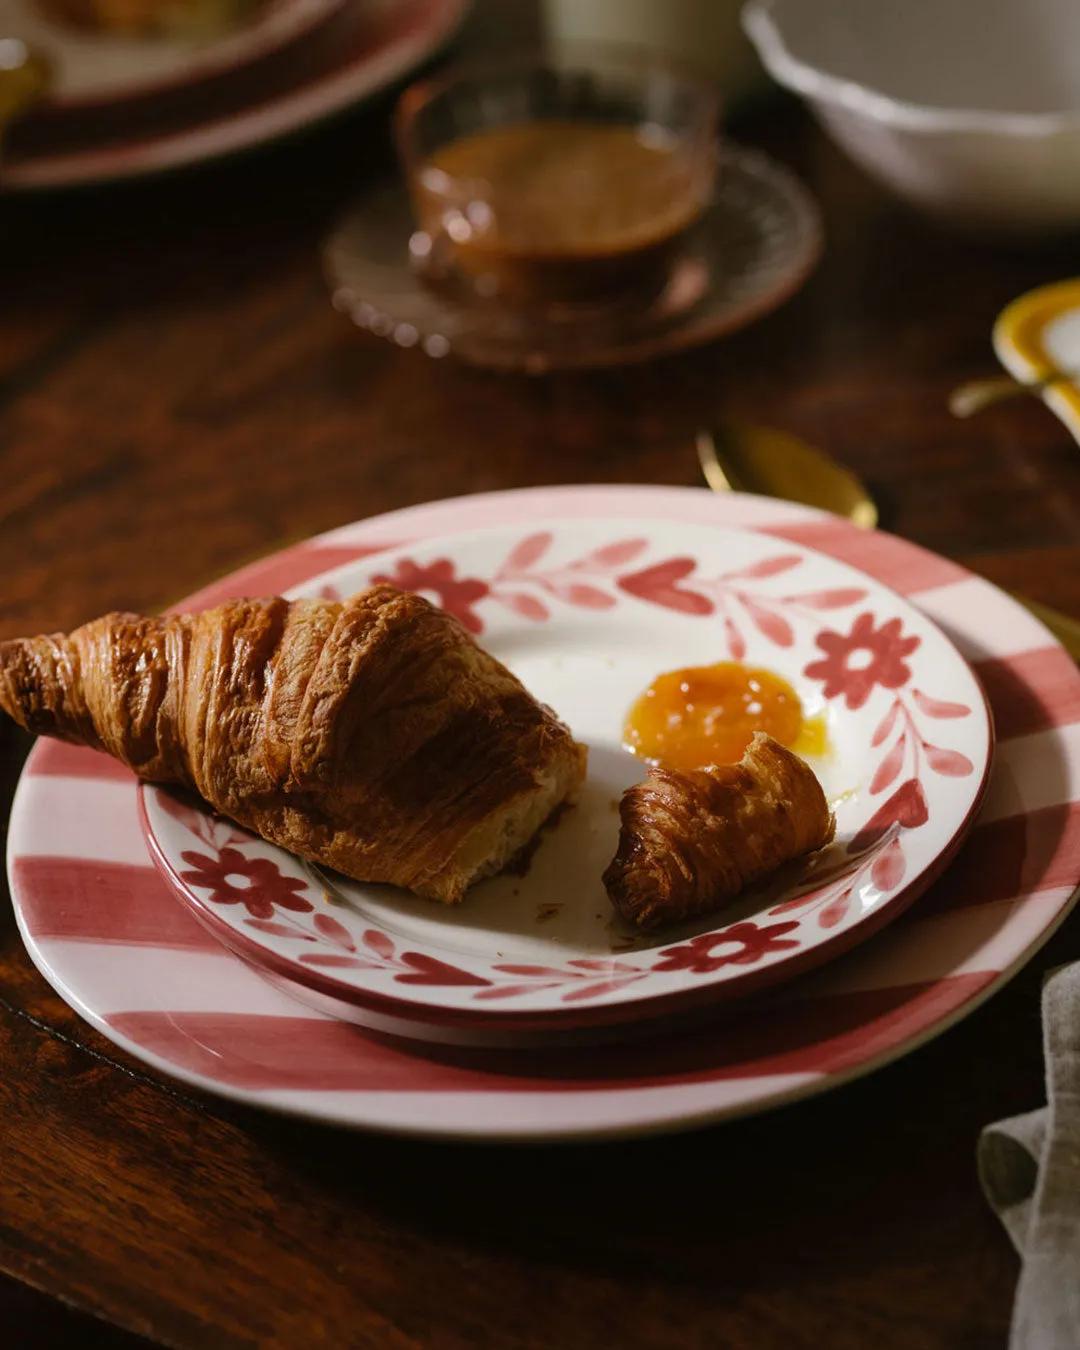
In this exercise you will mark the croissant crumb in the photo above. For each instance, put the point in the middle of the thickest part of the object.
(691, 842)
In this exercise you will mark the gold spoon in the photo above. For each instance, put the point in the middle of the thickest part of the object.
(25, 78)
(972, 397)
(741, 458)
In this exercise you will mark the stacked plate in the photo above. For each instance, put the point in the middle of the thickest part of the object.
(529, 1011)
(125, 106)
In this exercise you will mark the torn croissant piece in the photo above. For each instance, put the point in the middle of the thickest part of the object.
(373, 736)
(690, 842)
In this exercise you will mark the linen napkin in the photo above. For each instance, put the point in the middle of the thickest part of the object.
(1029, 1167)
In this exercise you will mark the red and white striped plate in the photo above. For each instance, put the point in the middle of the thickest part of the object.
(103, 927)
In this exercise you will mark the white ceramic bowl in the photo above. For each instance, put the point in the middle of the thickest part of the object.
(967, 108)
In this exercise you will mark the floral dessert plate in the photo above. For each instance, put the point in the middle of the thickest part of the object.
(587, 613)
(101, 925)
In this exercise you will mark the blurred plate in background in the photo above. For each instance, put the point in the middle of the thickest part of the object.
(94, 68)
(1039, 333)
(362, 48)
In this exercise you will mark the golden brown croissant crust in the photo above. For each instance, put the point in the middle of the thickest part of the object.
(373, 736)
(690, 842)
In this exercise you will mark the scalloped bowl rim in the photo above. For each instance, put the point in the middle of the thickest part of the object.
(763, 29)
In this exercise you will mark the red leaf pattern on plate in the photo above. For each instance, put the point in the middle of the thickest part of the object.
(885, 726)
(889, 769)
(278, 929)
(329, 962)
(659, 585)
(936, 707)
(821, 885)
(910, 801)
(540, 972)
(617, 554)
(768, 567)
(584, 991)
(839, 598)
(831, 898)
(836, 910)
(524, 606)
(430, 970)
(799, 901)
(951, 763)
(887, 871)
(906, 806)
(772, 626)
(603, 965)
(190, 813)
(378, 943)
(336, 932)
(515, 990)
(588, 977)
(585, 597)
(196, 816)
(735, 640)
(529, 551)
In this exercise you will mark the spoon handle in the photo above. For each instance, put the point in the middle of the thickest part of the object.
(975, 395)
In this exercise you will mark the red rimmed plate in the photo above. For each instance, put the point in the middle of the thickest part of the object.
(91, 69)
(581, 610)
(360, 50)
(101, 924)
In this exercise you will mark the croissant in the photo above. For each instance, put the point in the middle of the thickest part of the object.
(690, 842)
(373, 736)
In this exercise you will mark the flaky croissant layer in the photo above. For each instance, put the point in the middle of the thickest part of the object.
(373, 736)
(690, 842)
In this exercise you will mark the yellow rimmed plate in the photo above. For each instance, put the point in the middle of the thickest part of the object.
(1039, 333)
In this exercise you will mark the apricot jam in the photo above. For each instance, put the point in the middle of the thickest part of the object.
(703, 715)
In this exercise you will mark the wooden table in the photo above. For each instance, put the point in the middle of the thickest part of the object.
(177, 396)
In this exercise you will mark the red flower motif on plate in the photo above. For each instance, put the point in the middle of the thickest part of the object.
(266, 887)
(457, 595)
(753, 943)
(883, 663)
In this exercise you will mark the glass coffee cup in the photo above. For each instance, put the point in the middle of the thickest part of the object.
(563, 180)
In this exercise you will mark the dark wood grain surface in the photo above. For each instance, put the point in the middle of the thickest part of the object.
(177, 396)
